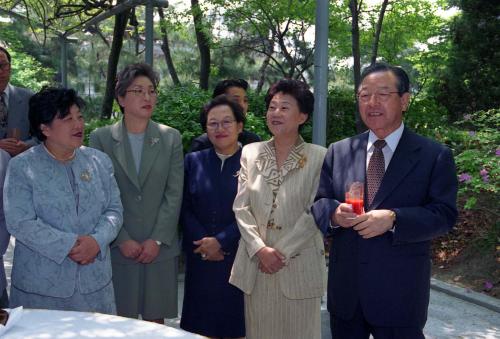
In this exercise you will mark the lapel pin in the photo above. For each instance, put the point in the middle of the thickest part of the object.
(302, 161)
(85, 176)
(153, 141)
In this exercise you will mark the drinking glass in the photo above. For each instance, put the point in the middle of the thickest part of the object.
(354, 195)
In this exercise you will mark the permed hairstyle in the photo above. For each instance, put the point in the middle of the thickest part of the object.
(297, 89)
(48, 104)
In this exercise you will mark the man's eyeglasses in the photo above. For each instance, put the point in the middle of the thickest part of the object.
(4, 66)
(143, 92)
(225, 124)
(364, 97)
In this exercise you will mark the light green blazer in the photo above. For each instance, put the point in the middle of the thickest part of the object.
(151, 199)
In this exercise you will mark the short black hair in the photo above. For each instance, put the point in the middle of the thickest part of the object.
(221, 100)
(223, 85)
(2, 49)
(297, 89)
(50, 103)
(403, 84)
(128, 75)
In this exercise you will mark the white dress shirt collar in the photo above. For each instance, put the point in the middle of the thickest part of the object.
(392, 139)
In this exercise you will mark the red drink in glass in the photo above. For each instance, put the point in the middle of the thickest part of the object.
(357, 205)
(354, 196)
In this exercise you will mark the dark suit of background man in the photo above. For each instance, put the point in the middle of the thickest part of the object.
(13, 114)
(379, 272)
(236, 90)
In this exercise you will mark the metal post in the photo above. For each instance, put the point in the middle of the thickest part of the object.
(149, 32)
(64, 61)
(320, 73)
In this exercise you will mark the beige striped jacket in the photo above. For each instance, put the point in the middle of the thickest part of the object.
(285, 209)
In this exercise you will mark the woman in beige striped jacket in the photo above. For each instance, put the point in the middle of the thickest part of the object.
(280, 263)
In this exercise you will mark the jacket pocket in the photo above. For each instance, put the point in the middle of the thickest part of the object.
(304, 276)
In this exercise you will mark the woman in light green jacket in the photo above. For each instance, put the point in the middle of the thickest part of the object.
(148, 162)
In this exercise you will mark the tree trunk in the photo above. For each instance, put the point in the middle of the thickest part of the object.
(203, 44)
(262, 74)
(269, 47)
(353, 6)
(165, 47)
(378, 30)
(114, 56)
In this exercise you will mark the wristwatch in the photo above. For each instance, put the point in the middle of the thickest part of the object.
(392, 214)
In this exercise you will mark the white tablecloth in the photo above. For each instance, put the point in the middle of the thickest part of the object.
(71, 325)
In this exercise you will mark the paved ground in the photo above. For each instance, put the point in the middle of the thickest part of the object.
(453, 312)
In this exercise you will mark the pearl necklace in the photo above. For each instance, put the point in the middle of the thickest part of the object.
(56, 158)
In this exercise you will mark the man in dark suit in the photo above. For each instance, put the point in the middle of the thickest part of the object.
(236, 90)
(13, 116)
(14, 105)
(379, 272)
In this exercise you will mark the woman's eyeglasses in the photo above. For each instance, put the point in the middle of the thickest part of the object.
(225, 124)
(143, 92)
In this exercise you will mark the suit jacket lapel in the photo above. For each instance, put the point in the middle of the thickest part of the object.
(403, 160)
(13, 103)
(150, 150)
(123, 153)
(358, 159)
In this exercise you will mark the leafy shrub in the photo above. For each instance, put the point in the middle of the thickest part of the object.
(475, 141)
(424, 115)
(341, 122)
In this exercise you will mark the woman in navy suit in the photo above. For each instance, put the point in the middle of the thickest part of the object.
(212, 307)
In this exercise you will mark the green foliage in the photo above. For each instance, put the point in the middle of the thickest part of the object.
(425, 115)
(28, 72)
(476, 143)
(469, 82)
(179, 107)
(27, 69)
(340, 115)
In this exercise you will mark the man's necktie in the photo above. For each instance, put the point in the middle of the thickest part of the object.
(375, 171)
(3, 116)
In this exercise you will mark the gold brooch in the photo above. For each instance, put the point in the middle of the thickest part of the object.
(85, 176)
(153, 141)
(302, 161)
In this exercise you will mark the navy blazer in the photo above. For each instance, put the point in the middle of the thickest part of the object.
(389, 275)
(208, 200)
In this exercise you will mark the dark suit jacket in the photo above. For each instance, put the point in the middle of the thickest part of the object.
(202, 142)
(389, 275)
(18, 108)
